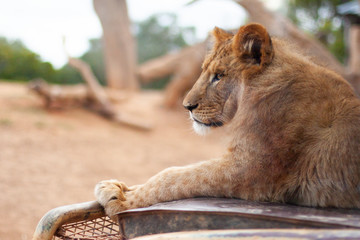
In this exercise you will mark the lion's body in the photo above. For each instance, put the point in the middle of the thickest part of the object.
(295, 127)
(302, 124)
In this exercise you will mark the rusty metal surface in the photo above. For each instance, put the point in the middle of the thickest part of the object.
(214, 213)
(278, 234)
(195, 214)
(56, 217)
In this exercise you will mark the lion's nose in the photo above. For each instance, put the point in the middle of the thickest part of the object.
(190, 107)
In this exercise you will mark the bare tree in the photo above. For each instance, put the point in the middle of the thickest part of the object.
(354, 46)
(120, 47)
(184, 66)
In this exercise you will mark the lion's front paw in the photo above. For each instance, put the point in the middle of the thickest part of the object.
(111, 195)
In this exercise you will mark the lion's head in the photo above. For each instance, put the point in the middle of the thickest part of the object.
(234, 59)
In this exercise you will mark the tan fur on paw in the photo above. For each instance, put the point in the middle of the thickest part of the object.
(111, 195)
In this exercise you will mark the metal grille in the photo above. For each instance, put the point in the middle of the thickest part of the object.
(100, 229)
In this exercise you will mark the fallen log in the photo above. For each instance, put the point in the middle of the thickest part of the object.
(60, 97)
(92, 96)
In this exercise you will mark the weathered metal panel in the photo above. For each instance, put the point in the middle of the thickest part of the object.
(55, 218)
(213, 213)
(82, 221)
(266, 234)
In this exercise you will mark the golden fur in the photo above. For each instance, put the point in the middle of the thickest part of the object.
(295, 126)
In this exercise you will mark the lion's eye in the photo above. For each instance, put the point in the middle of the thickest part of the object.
(217, 77)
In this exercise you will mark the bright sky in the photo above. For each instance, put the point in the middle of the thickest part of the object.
(41, 24)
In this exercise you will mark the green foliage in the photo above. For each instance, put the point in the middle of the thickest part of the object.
(320, 18)
(156, 36)
(19, 63)
(94, 57)
(159, 35)
(66, 75)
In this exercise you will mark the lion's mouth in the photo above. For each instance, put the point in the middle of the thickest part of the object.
(211, 124)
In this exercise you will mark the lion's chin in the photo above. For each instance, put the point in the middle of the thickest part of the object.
(201, 129)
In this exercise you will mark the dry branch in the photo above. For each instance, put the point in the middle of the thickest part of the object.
(99, 95)
(60, 97)
(92, 95)
(96, 91)
(184, 66)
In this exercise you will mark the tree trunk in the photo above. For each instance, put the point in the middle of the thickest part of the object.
(354, 57)
(119, 44)
(354, 49)
(159, 67)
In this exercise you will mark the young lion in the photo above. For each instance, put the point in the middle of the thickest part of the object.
(295, 127)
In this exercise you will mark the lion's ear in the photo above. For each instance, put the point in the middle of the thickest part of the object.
(221, 35)
(252, 44)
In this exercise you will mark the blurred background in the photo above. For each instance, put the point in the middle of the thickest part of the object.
(92, 89)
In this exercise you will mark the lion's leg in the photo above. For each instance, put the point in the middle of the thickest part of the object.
(210, 178)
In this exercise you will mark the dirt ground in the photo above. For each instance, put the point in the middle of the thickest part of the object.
(50, 159)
